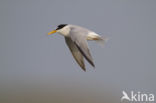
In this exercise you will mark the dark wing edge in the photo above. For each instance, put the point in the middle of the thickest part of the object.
(88, 57)
(75, 52)
(80, 41)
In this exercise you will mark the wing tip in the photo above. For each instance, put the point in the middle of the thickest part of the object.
(90, 60)
(83, 68)
(93, 65)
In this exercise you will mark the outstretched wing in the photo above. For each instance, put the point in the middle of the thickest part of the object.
(79, 38)
(75, 52)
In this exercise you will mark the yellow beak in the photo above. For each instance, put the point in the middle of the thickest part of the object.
(52, 32)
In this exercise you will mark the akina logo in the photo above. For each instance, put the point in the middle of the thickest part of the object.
(138, 97)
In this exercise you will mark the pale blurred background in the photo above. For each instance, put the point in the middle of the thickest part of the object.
(37, 68)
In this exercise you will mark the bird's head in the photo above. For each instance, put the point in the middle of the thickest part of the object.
(62, 29)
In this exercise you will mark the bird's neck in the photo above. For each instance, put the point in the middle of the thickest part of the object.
(64, 31)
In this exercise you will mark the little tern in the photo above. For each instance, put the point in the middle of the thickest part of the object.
(76, 38)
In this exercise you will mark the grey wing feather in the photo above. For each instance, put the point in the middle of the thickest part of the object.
(75, 52)
(79, 38)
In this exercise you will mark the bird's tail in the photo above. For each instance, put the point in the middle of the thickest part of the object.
(102, 40)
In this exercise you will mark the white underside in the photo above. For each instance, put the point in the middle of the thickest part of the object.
(92, 36)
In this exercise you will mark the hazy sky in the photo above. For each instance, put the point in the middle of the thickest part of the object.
(29, 57)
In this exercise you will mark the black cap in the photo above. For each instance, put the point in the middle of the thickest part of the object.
(61, 26)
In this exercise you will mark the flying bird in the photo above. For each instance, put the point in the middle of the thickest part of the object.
(76, 38)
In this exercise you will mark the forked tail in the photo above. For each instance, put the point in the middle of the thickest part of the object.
(102, 40)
